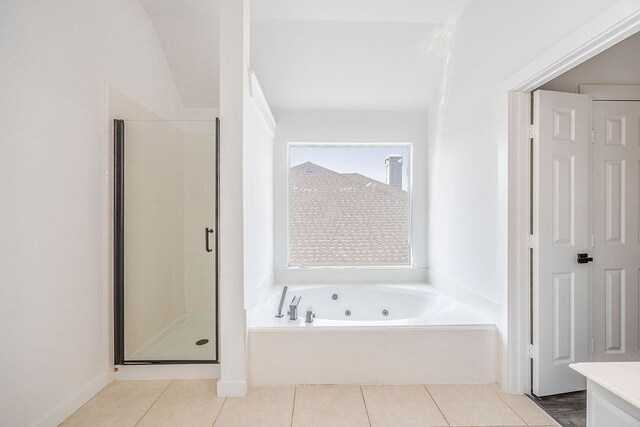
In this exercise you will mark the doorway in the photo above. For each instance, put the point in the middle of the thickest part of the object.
(165, 241)
(558, 62)
(586, 256)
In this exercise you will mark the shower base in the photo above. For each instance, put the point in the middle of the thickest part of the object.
(178, 341)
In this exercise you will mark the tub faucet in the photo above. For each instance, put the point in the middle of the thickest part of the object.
(293, 308)
(284, 293)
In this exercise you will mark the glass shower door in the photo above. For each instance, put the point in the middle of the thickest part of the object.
(165, 241)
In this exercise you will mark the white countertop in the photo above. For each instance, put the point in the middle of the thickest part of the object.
(620, 378)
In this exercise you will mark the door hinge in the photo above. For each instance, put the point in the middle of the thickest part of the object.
(532, 131)
(593, 345)
(531, 351)
(531, 241)
(593, 241)
(593, 136)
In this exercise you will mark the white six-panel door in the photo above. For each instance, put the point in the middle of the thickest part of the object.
(561, 229)
(616, 231)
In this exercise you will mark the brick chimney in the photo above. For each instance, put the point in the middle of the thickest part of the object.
(393, 166)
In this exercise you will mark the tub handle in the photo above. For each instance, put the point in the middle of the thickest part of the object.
(293, 308)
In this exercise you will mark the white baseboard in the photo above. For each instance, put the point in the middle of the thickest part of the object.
(73, 403)
(196, 371)
(232, 388)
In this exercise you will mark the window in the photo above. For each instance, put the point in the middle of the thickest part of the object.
(349, 205)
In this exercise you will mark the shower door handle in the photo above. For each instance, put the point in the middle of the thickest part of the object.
(207, 232)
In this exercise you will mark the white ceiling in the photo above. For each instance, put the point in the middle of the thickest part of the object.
(352, 54)
(322, 54)
(424, 11)
(346, 65)
(189, 33)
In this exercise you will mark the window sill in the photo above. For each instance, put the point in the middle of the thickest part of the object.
(333, 275)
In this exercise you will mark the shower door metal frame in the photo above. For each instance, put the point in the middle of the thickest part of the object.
(118, 251)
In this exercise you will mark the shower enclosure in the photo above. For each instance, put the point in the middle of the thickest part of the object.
(165, 241)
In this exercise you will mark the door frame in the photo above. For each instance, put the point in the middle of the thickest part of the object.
(604, 31)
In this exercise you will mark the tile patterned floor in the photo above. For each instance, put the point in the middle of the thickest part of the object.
(194, 403)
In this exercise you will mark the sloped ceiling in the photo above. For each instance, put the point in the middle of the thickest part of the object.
(189, 33)
(424, 11)
(345, 65)
(352, 54)
(321, 54)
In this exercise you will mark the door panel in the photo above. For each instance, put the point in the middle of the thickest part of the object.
(616, 252)
(561, 226)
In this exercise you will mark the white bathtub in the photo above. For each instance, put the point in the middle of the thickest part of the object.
(425, 337)
(366, 305)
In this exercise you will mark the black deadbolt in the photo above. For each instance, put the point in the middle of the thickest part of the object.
(584, 258)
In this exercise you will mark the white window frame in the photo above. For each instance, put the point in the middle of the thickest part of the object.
(409, 145)
(320, 127)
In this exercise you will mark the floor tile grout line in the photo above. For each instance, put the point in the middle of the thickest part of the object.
(507, 403)
(215, 419)
(154, 402)
(366, 409)
(293, 407)
(558, 423)
(436, 403)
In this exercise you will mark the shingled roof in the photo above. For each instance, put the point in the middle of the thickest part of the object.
(345, 219)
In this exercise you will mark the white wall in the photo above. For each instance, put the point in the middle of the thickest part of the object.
(234, 103)
(54, 313)
(468, 169)
(258, 196)
(490, 44)
(618, 65)
(351, 126)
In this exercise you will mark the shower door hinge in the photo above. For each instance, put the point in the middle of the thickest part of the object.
(531, 241)
(531, 351)
(593, 241)
(593, 345)
(532, 131)
(593, 136)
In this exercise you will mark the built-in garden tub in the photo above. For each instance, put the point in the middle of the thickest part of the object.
(370, 334)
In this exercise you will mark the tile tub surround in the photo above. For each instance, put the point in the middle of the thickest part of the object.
(194, 403)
